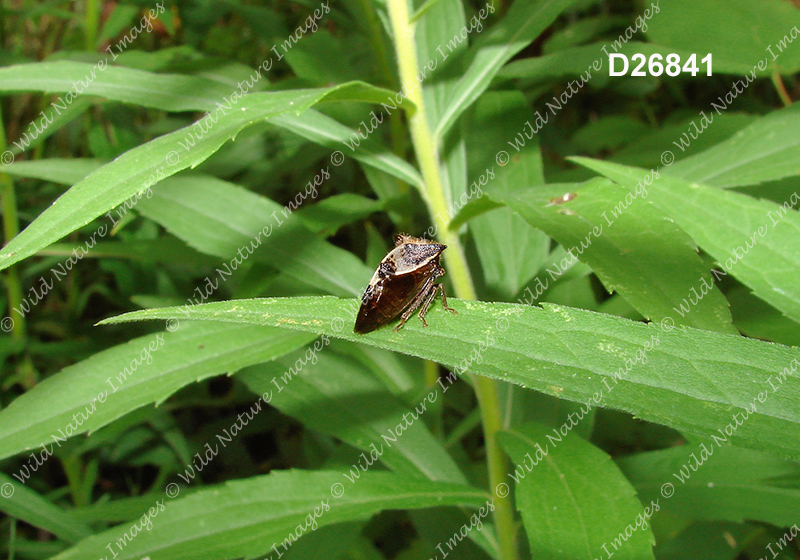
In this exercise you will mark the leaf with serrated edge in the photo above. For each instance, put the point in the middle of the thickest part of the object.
(756, 241)
(246, 517)
(632, 247)
(130, 176)
(70, 403)
(574, 499)
(732, 484)
(692, 380)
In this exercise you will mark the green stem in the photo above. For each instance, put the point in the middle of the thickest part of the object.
(427, 152)
(12, 539)
(10, 230)
(378, 45)
(73, 469)
(777, 81)
(90, 22)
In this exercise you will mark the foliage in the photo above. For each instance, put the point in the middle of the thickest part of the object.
(623, 252)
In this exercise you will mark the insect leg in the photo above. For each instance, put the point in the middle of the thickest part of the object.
(424, 308)
(415, 303)
(444, 301)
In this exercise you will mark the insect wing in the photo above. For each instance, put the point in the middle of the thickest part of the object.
(387, 298)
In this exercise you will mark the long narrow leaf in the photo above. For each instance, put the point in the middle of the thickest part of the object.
(756, 241)
(523, 23)
(22, 503)
(90, 394)
(248, 517)
(131, 175)
(330, 133)
(689, 379)
(573, 499)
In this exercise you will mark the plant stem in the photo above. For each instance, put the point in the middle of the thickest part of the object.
(90, 21)
(427, 152)
(376, 40)
(777, 81)
(10, 230)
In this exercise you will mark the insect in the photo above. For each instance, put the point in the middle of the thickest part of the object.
(403, 283)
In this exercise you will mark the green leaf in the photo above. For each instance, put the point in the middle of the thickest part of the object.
(322, 59)
(756, 319)
(56, 170)
(165, 250)
(743, 35)
(608, 133)
(712, 481)
(573, 499)
(250, 516)
(577, 355)
(633, 248)
(337, 396)
(437, 38)
(583, 31)
(473, 208)
(767, 150)
(521, 25)
(756, 241)
(168, 92)
(120, 20)
(330, 133)
(27, 505)
(708, 541)
(186, 205)
(90, 394)
(648, 149)
(510, 250)
(50, 123)
(330, 214)
(130, 176)
(246, 224)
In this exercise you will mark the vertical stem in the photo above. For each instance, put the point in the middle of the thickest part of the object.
(777, 81)
(378, 45)
(26, 373)
(90, 21)
(427, 152)
(12, 539)
(10, 230)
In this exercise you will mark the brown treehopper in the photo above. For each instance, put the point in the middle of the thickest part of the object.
(403, 283)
